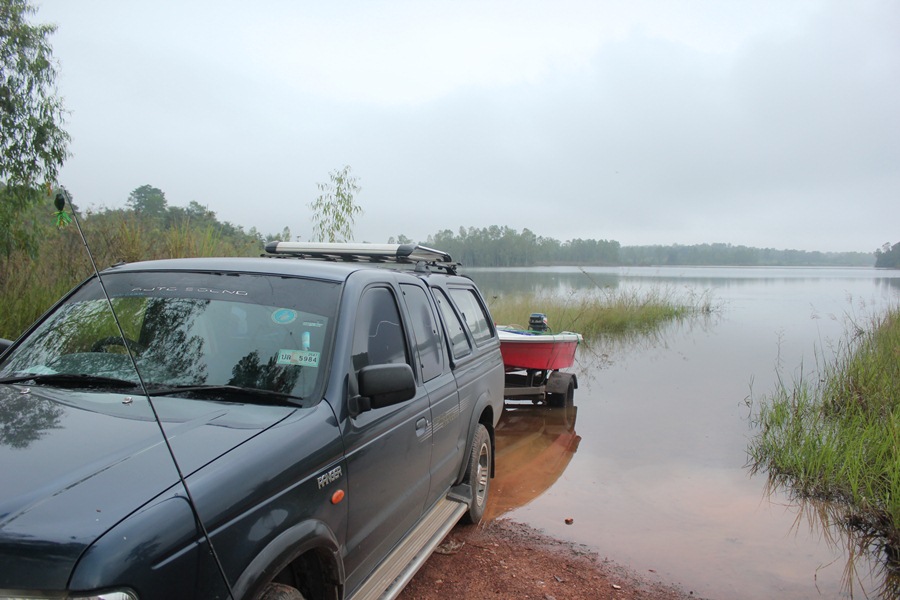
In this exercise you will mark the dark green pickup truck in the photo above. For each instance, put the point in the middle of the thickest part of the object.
(247, 428)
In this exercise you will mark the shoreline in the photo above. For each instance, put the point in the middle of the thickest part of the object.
(506, 559)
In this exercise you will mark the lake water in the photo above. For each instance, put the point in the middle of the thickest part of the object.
(653, 473)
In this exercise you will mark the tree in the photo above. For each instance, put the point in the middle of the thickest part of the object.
(148, 201)
(335, 211)
(33, 144)
(888, 257)
(284, 236)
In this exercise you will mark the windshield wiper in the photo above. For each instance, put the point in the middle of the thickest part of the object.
(229, 392)
(77, 379)
(225, 392)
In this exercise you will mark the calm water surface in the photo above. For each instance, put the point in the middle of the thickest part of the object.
(653, 471)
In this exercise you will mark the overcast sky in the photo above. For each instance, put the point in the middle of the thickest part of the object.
(764, 123)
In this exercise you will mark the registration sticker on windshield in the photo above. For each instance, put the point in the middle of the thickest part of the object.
(284, 316)
(304, 358)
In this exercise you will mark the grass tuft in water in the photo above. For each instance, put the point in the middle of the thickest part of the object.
(836, 437)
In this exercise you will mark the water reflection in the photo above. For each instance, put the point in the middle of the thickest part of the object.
(25, 419)
(251, 373)
(891, 283)
(599, 352)
(169, 332)
(534, 444)
(551, 280)
(858, 538)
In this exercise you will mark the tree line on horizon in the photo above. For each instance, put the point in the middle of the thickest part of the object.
(492, 246)
(151, 227)
(500, 246)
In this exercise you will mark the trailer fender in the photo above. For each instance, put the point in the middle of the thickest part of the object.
(558, 383)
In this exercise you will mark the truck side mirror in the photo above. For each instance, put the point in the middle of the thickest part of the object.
(383, 385)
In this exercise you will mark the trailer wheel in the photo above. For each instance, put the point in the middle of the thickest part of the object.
(478, 474)
(563, 400)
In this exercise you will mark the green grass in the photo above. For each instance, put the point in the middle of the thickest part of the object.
(835, 435)
(604, 311)
(30, 285)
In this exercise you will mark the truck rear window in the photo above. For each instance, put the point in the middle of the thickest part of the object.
(473, 314)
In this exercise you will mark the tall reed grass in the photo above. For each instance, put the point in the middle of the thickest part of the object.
(604, 311)
(30, 285)
(835, 434)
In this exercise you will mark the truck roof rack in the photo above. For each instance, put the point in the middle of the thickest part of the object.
(359, 252)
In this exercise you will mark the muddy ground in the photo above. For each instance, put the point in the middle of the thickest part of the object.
(503, 559)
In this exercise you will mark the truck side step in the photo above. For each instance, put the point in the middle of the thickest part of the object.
(392, 575)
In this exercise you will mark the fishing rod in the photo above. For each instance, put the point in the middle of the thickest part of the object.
(62, 198)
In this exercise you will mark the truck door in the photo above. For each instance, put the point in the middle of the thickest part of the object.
(440, 384)
(477, 365)
(388, 449)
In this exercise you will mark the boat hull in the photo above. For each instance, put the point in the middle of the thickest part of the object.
(523, 350)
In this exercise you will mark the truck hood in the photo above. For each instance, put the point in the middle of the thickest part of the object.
(75, 463)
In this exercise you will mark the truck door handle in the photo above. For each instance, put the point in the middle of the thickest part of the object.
(421, 426)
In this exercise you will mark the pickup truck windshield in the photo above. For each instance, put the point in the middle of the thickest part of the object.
(264, 332)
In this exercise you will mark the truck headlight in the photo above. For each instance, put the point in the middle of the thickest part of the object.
(115, 595)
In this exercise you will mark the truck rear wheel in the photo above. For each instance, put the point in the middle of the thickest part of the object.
(478, 474)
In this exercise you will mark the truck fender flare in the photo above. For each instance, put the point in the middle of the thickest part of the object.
(483, 403)
(282, 550)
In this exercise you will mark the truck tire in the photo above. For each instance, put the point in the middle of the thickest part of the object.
(478, 474)
(278, 591)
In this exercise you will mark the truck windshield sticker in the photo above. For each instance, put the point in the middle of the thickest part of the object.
(283, 316)
(189, 289)
(303, 358)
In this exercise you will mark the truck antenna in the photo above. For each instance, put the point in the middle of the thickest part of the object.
(61, 198)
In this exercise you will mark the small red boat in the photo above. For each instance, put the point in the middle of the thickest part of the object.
(537, 350)
(533, 358)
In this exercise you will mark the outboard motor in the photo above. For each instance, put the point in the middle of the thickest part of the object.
(538, 322)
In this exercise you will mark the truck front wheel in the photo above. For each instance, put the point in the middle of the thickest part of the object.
(478, 474)
(277, 591)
